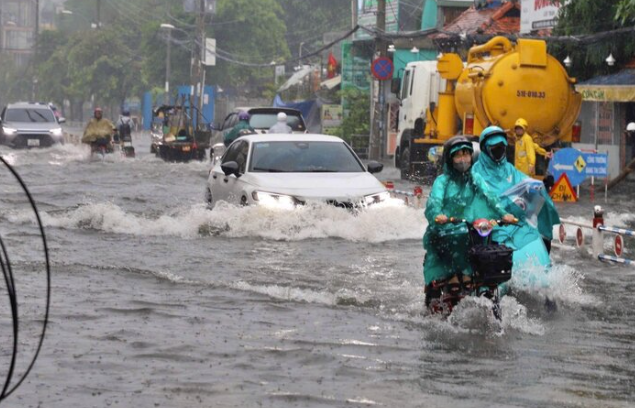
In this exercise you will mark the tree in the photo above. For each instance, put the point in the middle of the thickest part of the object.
(252, 33)
(582, 17)
(625, 11)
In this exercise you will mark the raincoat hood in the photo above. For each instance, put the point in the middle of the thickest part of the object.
(451, 146)
(521, 123)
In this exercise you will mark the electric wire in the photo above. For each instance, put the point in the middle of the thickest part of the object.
(5, 265)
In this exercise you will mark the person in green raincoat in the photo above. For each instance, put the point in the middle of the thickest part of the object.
(460, 194)
(241, 128)
(500, 175)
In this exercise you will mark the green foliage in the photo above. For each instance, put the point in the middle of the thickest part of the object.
(356, 114)
(307, 20)
(253, 33)
(584, 17)
(625, 11)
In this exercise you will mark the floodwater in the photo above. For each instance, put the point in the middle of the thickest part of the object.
(159, 302)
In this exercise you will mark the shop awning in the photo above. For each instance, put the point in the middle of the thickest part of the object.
(618, 87)
(331, 83)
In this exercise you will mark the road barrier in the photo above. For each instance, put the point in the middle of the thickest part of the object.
(598, 230)
(414, 198)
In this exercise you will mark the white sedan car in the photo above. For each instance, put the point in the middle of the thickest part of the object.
(284, 171)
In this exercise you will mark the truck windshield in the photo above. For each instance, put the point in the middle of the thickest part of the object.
(303, 157)
(29, 115)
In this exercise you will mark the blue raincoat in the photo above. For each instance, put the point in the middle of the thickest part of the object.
(524, 239)
(460, 195)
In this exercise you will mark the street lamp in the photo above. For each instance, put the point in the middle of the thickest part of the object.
(166, 96)
(610, 60)
(567, 62)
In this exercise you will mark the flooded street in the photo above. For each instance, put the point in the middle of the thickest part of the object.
(159, 302)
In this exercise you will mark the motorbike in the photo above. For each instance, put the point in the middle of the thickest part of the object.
(101, 146)
(125, 144)
(491, 265)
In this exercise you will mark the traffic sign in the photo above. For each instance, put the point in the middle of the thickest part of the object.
(579, 237)
(597, 164)
(562, 191)
(618, 245)
(382, 68)
(562, 233)
(571, 162)
(579, 165)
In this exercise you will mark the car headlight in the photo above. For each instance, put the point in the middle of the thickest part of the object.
(276, 200)
(56, 132)
(376, 198)
(9, 131)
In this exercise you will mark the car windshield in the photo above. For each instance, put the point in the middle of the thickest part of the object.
(266, 120)
(303, 157)
(29, 115)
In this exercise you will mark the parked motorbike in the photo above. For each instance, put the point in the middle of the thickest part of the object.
(491, 265)
(124, 141)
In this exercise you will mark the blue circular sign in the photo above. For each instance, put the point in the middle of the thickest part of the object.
(382, 68)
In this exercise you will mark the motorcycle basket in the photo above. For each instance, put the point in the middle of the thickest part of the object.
(451, 239)
(492, 264)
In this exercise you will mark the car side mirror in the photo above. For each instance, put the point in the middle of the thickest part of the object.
(375, 167)
(61, 120)
(230, 168)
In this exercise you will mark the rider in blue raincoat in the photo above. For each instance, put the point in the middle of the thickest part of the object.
(460, 194)
(500, 175)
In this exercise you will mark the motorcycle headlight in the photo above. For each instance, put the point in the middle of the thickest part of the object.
(376, 198)
(56, 132)
(9, 131)
(275, 200)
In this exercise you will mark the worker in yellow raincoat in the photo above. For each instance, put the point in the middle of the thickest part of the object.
(98, 130)
(526, 149)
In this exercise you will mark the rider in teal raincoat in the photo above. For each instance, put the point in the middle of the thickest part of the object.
(460, 194)
(500, 175)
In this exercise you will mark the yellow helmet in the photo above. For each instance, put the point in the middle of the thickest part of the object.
(522, 123)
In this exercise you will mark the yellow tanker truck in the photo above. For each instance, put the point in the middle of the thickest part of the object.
(500, 83)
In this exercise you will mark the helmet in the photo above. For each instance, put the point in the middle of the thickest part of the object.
(492, 132)
(630, 127)
(282, 117)
(454, 144)
(242, 115)
(98, 109)
(521, 123)
(125, 112)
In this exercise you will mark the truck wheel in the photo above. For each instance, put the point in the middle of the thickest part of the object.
(404, 163)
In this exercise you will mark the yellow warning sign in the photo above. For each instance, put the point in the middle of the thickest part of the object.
(562, 190)
(580, 164)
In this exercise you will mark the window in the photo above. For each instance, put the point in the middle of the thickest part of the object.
(405, 85)
(228, 120)
(29, 115)
(303, 157)
(18, 40)
(238, 153)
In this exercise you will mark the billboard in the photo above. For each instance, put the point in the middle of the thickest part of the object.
(539, 14)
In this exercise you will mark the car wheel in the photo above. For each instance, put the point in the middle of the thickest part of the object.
(404, 163)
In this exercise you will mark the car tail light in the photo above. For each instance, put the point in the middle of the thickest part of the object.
(576, 132)
(468, 127)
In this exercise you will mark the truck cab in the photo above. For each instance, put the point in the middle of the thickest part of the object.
(419, 89)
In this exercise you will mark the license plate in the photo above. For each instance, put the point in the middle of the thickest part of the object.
(127, 144)
(186, 148)
(33, 142)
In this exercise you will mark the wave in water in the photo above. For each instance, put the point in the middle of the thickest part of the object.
(382, 223)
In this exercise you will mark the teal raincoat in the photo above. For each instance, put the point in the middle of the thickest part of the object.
(459, 195)
(522, 237)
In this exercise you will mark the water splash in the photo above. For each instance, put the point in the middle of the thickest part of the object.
(378, 224)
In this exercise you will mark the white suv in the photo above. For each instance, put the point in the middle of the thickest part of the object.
(27, 125)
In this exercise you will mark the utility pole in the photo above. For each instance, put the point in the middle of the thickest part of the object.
(98, 15)
(379, 103)
(198, 70)
(36, 33)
